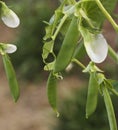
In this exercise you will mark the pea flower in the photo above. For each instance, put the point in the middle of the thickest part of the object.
(7, 48)
(95, 44)
(9, 17)
(96, 47)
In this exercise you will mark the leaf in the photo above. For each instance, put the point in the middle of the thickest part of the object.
(14, 88)
(47, 48)
(92, 17)
(54, 21)
(112, 86)
(92, 95)
(109, 5)
(94, 13)
(49, 66)
(52, 92)
(48, 30)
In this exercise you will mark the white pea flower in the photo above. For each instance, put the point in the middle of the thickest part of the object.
(96, 47)
(9, 17)
(8, 48)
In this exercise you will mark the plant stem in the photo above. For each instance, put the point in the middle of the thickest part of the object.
(108, 16)
(113, 54)
(59, 26)
(78, 62)
(114, 92)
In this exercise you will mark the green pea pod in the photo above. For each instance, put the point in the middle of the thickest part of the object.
(80, 52)
(51, 92)
(68, 46)
(14, 88)
(92, 94)
(110, 110)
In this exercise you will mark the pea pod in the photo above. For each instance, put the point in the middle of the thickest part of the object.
(110, 110)
(92, 94)
(51, 92)
(68, 46)
(80, 52)
(11, 77)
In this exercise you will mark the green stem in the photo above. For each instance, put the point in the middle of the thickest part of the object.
(59, 27)
(113, 54)
(108, 16)
(78, 63)
(113, 91)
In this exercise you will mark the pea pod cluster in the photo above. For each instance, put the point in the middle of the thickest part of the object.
(80, 23)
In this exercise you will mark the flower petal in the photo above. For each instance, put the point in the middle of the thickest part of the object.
(96, 48)
(10, 48)
(10, 19)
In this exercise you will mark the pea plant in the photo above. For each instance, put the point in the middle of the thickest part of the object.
(11, 20)
(81, 23)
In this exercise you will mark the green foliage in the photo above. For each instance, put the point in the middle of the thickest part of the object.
(28, 60)
(72, 113)
(84, 20)
(10, 19)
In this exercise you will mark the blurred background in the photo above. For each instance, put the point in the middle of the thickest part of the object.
(32, 111)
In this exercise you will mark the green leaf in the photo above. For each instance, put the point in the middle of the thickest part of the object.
(49, 66)
(52, 92)
(92, 94)
(54, 21)
(109, 5)
(47, 48)
(48, 30)
(112, 86)
(94, 14)
(14, 88)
